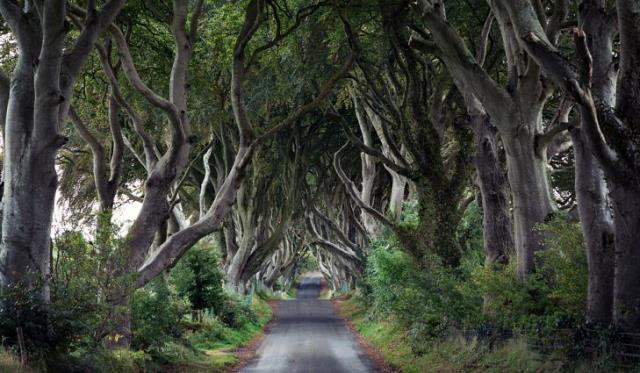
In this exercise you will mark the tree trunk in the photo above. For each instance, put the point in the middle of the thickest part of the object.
(590, 185)
(530, 193)
(30, 183)
(496, 219)
(368, 163)
(39, 97)
(597, 229)
(626, 301)
(396, 198)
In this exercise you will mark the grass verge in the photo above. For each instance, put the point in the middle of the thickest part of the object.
(455, 354)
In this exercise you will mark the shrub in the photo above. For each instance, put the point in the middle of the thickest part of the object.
(119, 360)
(156, 314)
(552, 298)
(235, 312)
(198, 278)
(75, 317)
(427, 302)
(482, 300)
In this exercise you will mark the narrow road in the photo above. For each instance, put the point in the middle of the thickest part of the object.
(308, 336)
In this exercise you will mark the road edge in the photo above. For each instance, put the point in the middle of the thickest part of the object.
(374, 354)
(247, 352)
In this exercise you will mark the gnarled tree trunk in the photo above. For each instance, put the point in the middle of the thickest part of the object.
(496, 219)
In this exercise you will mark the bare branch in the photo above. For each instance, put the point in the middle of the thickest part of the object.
(351, 189)
(129, 68)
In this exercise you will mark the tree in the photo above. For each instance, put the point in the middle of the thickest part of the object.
(38, 101)
(611, 132)
(415, 110)
(515, 110)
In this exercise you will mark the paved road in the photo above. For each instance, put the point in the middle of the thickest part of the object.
(307, 336)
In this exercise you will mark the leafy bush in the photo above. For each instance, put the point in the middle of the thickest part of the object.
(119, 360)
(235, 312)
(427, 302)
(156, 314)
(75, 316)
(482, 300)
(198, 278)
(552, 298)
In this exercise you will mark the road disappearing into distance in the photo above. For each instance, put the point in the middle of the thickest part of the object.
(308, 336)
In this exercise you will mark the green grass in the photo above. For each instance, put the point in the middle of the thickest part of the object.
(217, 341)
(209, 348)
(449, 355)
(11, 363)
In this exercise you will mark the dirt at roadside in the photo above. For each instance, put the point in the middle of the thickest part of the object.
(374, 354)
(246, 353)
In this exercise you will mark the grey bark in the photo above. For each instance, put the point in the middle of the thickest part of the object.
(398, 182)
(368, 173)
(599, 122)
(590, 185)
(597, 228)
(40, 94)
(517, 113)
(496, 219)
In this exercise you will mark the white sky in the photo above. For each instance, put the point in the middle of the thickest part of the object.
(123, 216)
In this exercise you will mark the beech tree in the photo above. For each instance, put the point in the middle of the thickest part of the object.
(413, 109)
(610, 129)
(38, 101)
(515, 110)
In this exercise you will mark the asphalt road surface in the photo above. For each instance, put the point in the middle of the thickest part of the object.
(308, 336)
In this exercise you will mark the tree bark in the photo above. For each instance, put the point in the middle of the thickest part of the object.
(39, 98)
(597, 229)
(531, 197)
(368, 173)
(496, 219)
(517, 113)
(590, 185)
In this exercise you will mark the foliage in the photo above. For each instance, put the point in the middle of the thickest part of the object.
(565, 266)
(198, 278)
(479, 299)
(10, 362)
(77, 315)
(120, 360)
(450, 354)
(69, 337)
(215, 334)
(428, 303)
(156, 313)
(553, 297)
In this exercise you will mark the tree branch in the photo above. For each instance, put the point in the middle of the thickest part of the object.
(351, 189)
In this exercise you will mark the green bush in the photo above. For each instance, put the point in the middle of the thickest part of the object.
(156, 313)
(198, 278)
(119, 360)
(437, 301)
(428, 302)
(75, 316)
(552, 298)
(235, 312)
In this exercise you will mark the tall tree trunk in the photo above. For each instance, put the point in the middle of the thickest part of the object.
(398, 182)
(626, 193)
(39, 98)
(30, 183)
(597, 229)
(396, 198)
(590, 185)
(496, 219)
(530, 195)
(626, 303)
(368, 163)
(516, 110)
